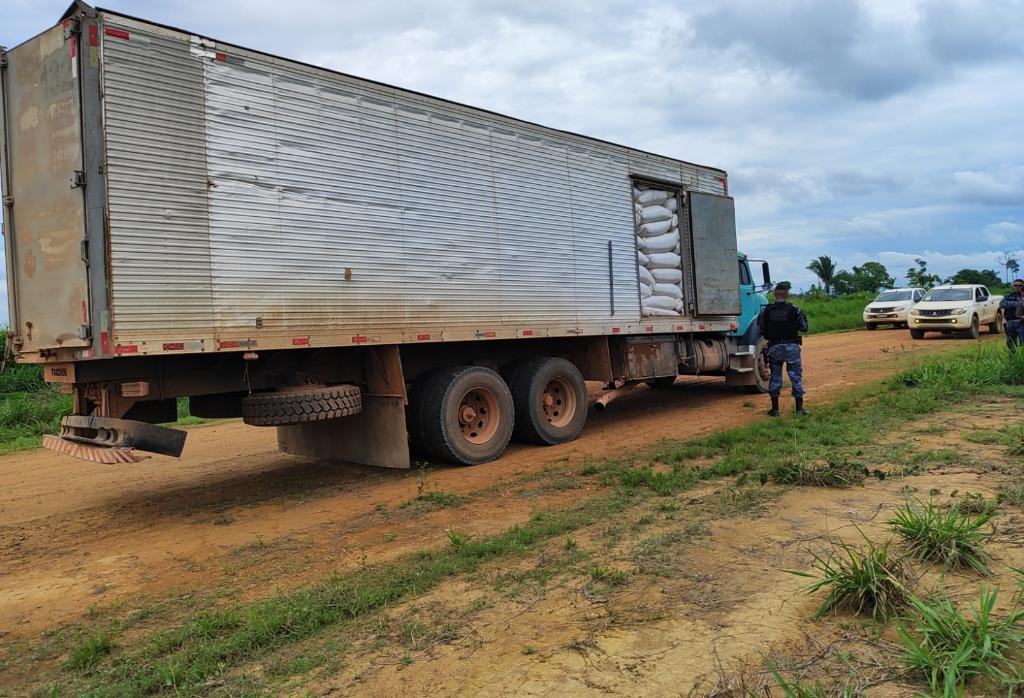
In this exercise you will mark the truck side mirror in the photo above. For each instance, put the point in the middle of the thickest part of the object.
(766, 273)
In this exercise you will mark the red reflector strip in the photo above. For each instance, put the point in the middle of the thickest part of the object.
(116, 33)
(527, 333)
(300, 341)
(221, 57)
(174, 346)
(85, 315)
(422, 337)
(489, 333)
(105, 342)
(74, 47)
(94, 35)
(359, 339)
(127, 349)
(700, 327)
(616, 330)
(649, 328)
(680, 328)
(733, 326)
(229, 344)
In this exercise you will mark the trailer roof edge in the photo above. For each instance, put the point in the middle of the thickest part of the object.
(394, 87)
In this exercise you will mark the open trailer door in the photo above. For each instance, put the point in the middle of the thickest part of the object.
(44, 203)
(716, 282)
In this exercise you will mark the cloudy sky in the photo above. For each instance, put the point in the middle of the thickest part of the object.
(871, 129)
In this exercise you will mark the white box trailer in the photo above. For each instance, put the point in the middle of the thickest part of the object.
(189, 217)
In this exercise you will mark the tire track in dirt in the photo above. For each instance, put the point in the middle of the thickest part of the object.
(74, 534)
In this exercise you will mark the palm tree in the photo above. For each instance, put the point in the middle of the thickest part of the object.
(825, 269)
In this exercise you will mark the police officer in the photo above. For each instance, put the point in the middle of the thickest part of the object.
(1009, 307)
(781, 323)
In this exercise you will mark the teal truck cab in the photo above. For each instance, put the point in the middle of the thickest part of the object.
(753, 298)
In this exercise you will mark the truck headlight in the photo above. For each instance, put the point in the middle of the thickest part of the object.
(958, 311)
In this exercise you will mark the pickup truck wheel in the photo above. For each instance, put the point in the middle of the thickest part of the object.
(550, 398)
(917, 334)
(461, 415)
(301, 405)
(997, 325)
(870, 326)
(974, 331)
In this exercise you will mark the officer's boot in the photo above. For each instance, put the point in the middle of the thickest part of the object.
(800, 406)
(774, 411)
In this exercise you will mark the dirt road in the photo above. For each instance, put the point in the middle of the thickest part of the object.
(232, 509)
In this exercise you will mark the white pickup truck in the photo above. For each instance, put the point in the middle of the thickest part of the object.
(960, 308)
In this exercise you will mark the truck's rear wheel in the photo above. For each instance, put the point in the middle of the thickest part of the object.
(997, 325)
(302, 404)
(550, 398)
(461, 415)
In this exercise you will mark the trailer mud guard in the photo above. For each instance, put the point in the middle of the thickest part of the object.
(375, 436)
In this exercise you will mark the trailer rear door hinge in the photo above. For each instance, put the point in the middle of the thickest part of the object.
(8, 201)
(85, 332)
(77, 179)
(85, 250)
(3, 57)
(71, 27)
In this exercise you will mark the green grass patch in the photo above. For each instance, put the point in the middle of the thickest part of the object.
(950, 648)
(864, 579)
(834, 314)
(89, 652)
(436, 499)
(954, 538)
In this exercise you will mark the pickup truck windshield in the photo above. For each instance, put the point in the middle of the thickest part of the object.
(893, 296)
(949, 294)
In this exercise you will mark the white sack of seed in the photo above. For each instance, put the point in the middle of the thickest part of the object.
(664, 260)
(648, 230)
(663, 302)
(667, 290)
(656, 213)
(646, 277)
(659, 243)
(666, 276)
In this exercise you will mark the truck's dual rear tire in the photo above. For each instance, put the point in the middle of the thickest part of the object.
(468, 414)
(461, 415)
(550, 398)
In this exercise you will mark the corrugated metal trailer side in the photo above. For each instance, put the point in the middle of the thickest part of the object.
(260, 202)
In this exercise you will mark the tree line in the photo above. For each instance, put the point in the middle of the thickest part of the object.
(871, 277)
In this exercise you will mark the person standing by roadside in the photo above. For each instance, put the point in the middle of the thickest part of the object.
(781, 323)
(1011, 305)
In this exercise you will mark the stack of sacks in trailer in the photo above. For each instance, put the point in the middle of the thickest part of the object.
(658, 250)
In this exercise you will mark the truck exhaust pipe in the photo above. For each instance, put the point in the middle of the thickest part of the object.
(601, 403)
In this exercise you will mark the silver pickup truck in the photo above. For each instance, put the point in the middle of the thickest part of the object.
(960, 308)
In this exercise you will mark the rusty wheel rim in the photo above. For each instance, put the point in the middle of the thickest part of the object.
(558, 402)
(479, 416)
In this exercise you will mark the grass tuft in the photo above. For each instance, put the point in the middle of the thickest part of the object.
(833, 472)
(866, 579)
(951, 648)
(953, 538)
(87, 653)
